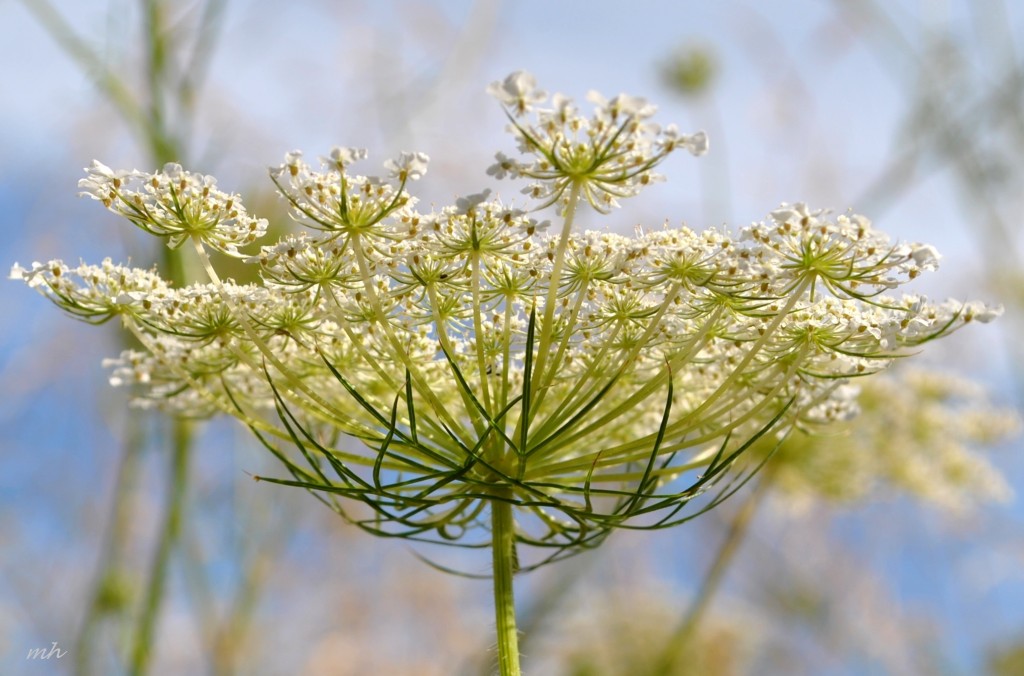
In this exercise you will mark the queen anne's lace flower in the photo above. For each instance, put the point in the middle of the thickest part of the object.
(343, 204)
(175, 204)
(93, 293)
(606, 157)
(590, 379)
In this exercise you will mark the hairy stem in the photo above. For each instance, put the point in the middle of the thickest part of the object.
(503, 543)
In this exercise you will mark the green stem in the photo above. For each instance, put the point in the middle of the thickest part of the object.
(547, 325)
(176, 485)
(503, 543)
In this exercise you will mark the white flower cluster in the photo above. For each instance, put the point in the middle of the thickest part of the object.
(176, 204)
(337, 202)
(585, 376)
(93, 293)
(608, 156)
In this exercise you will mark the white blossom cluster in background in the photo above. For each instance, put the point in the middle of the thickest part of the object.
(475, 351)
(918, 432)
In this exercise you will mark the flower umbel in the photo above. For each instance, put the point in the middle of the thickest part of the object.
(606, 157)
(431, 364)
(175, 204)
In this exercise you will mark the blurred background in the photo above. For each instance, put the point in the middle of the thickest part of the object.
(139, 544)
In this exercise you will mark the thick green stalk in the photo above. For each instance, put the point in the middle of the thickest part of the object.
(503, 543)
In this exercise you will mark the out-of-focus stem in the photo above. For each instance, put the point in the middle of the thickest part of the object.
(678, 644)
(106, 80)
(229, 640)
(225, 637)
(151, 125)
(162, 145)
(111, 563)
(141, 651)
